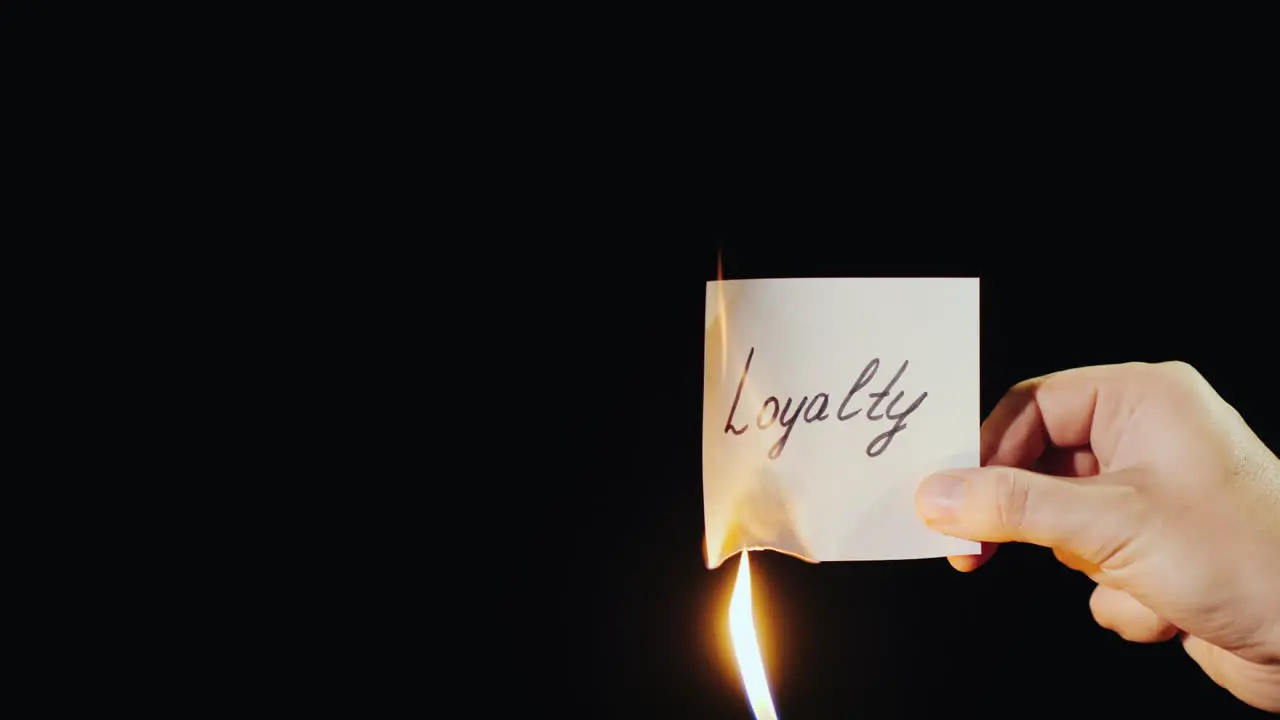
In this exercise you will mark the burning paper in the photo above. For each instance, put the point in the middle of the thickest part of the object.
(825, 402)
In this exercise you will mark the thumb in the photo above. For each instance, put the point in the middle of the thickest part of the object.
(1003, 504)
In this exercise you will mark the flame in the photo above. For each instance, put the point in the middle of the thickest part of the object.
(746, 647)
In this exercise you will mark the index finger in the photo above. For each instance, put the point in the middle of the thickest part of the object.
(1076, 408)
(1069, 409)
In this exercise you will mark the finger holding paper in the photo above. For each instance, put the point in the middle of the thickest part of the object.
(1063, 424)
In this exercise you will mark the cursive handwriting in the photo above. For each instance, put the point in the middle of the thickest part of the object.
(815, 409)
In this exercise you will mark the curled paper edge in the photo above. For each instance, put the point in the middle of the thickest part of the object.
(728, 555)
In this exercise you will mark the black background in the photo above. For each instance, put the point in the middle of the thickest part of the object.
(627, 622)
(610, 189)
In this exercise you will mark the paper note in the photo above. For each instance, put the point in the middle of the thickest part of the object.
(825, 402)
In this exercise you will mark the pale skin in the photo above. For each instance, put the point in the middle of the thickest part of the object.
(1144, 479)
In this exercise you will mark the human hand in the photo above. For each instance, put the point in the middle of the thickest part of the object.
(1146, 480)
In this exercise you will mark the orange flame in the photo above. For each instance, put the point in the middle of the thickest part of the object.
(746, 647)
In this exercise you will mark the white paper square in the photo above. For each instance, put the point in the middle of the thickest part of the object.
(823, 497)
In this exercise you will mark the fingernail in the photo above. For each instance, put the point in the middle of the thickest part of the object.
(939, 497)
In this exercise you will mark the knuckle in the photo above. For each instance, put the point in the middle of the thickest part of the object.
(1177, 367)
(1129, 510)
(1180, 371)
(1137, 368)
(1182, 380)
(1011, 498)
(1171, 376)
